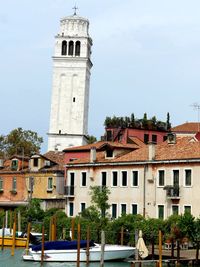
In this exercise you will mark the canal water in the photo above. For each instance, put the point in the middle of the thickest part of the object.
(6, 260)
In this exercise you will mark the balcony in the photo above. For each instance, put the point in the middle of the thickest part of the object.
(69, 191)
(172, 192)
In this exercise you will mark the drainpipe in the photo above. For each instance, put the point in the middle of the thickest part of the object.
(144, 190)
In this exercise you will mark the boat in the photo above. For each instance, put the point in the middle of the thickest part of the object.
(19, 241)
(8, 239)
(66, 251)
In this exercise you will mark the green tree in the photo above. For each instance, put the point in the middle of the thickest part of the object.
(91, 139)
(145, 121)
(168, 121)
(20, 141)
(99, 197)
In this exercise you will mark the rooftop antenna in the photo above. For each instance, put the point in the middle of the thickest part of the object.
(75, 8)
(196, 106)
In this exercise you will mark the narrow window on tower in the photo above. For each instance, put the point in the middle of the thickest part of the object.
(64, 48)
(78, 48)
(71, 48)
(74, 99)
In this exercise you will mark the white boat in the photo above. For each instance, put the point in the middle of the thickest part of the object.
(111, 253)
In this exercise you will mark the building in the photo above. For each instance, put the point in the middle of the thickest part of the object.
(23, 178)
(45, 179)
(13, 191)
(154, 180)
(187, 129)
(127, 134)
(71, 80)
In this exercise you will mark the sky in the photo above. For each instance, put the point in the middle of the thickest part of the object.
(145, 55)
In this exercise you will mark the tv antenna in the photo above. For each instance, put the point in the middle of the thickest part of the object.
(196, 106)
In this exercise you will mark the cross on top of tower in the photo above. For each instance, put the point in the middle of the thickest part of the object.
(75, 8)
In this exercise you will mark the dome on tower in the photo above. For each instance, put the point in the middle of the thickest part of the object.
(74, 25)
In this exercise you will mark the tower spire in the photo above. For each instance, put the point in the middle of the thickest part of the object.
(75, 8)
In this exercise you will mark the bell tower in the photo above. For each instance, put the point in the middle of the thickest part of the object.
(71, 79)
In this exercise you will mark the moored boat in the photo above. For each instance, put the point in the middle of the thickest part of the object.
(66, 251)
(19, 242)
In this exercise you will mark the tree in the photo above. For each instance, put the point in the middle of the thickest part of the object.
(20, 141)
(144, 121)
(168, 121)
(91, 139)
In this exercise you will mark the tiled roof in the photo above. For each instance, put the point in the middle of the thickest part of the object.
(99, 145)
(184, 148)
(188, 127)
(137, 141)
(55, 156)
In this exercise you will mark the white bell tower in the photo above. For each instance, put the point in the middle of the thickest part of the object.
(71, 79)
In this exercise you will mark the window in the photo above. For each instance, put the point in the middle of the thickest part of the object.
(103, 178)
(187, 209)
(154, 138)
(71, 209)
(135, 178)
(35, 162)
(83, 182)
(14, 184)
(176, 177)
(123, 209)
(83, 207)
(146, 138)
(174, 209)
(1, 184)
(50, 183)
(71, 48)
(114, 178)
(77, 48)
(74, 99)
(109, 153)
(114, 211)
(64, 48)
(124, 178)
(30, 183)
(14, 165)
(160, 211)
(134, 209)
(161, 178)
(188, 177)
(109, 135)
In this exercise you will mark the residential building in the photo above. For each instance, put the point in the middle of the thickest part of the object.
(187, 129)
(24, 178)
(127, 134)
(155, 180)
(13, 191)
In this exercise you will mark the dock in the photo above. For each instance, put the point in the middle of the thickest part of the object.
(187, 257)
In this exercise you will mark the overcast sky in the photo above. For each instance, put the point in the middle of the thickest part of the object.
(146, 58)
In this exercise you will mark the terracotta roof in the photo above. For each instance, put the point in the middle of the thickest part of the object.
(55, 156)
(184, 148)
(137, 141)
(188, 127)
(99, 145)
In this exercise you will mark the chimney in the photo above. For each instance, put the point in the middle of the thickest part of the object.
(93, 154)
(152, 151)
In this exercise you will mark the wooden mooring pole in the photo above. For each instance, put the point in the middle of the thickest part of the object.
(88, 246)
(3, 234)
(78, 244)
(160, 248)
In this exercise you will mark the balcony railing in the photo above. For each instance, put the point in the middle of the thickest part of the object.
(69, 191)
(172, 192)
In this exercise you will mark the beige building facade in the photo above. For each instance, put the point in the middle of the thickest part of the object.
(155, 181)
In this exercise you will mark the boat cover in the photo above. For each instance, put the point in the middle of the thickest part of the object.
(62, 245)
